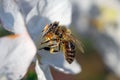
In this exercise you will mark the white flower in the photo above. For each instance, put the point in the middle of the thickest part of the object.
(17, 51)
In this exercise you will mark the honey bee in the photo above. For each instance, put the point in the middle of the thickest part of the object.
(59, 38)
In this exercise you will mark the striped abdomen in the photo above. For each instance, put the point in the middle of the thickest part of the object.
(69, 51)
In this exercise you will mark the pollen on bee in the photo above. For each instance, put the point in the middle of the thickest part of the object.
(46, 27)
(51, 50)
(48, 38)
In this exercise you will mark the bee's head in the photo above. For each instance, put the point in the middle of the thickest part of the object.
(50, 28)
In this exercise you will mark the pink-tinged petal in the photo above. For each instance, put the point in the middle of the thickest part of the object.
(16, 54)
(58, 62)
(16, 51)
(43, 72)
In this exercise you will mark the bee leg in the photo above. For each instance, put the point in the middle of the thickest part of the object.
(45, 42)
(55, 50)
(45, 46)
(48, 41)
(52, 49)
(57, 46)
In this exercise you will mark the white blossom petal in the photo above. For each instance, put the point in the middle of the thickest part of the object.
(45, 12)
(6, 13)
(26, 5)
(43, 72)
(18, 50)
(58, 62)
(16, 54)
(11, 17)
(56, 10)
(35, 24)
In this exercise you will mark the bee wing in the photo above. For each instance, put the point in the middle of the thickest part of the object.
(81, 46)
(77, 42)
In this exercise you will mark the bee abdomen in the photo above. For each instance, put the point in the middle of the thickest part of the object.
(70, 56)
